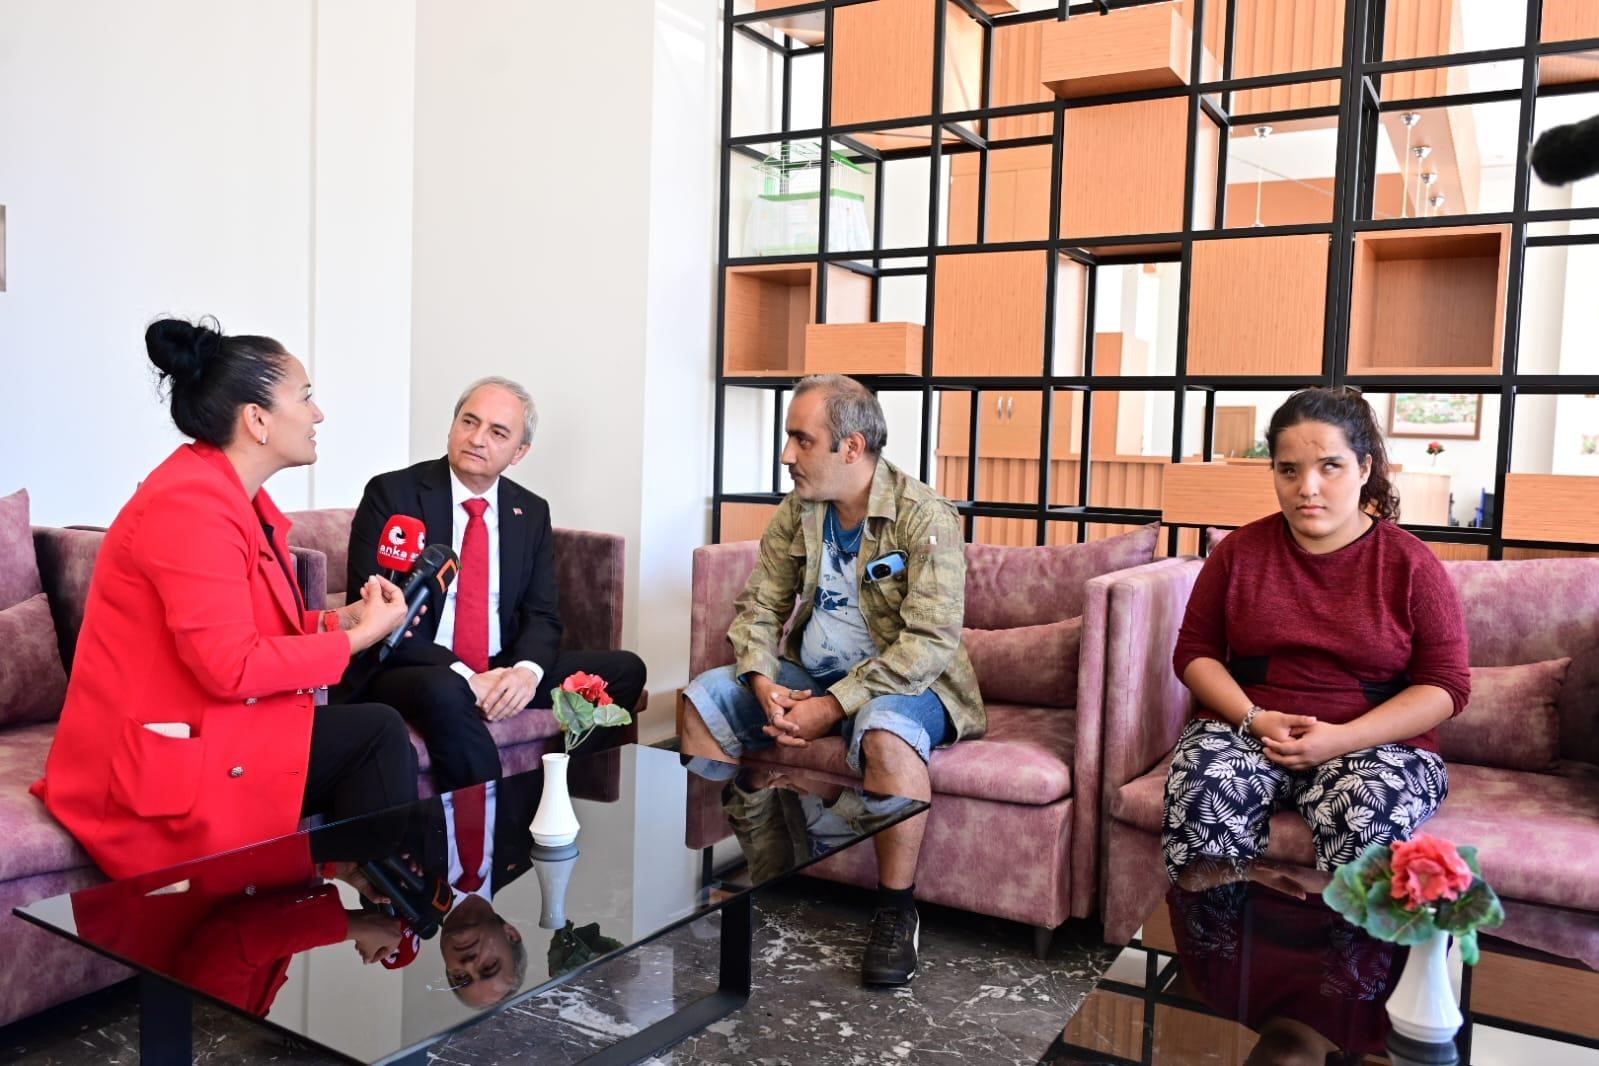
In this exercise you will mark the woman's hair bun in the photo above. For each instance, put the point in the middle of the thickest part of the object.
(181, 349)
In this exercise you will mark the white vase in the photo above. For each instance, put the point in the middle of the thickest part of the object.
(555, 824)
(1423, 1006)
(554, 874)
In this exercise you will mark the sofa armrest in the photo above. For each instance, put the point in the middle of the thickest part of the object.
(591, 580)
(1145, 705)
(1088, 758)
(311, 571)
(66, 566)
(720, 574)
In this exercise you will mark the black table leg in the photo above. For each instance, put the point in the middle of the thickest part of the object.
(166, 1023)
(732, 992)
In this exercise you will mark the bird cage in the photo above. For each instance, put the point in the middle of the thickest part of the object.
(784, 218)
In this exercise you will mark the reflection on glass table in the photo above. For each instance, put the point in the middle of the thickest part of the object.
(375, 937)
(1245, 966)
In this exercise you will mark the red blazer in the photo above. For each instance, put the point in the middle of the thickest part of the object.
(228, 927)
(191, 618)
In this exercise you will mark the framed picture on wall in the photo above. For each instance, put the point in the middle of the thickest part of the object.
(1436, 415)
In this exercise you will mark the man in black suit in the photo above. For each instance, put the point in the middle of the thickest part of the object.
(493, 648)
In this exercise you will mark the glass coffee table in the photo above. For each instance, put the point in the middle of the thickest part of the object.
(1238, 968)
(477, 918)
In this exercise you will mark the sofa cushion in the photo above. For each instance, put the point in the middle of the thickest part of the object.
(326, 529)
(1025, 757)
(525, 727)
(19, 569)
(1536, 834)
(1512, 719)
(1032, 665)
(1009, 586)
(35, 842)
(33, 684)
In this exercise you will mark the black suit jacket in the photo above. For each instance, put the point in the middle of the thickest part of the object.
(530, 620)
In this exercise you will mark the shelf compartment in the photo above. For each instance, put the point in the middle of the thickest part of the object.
(1126, 51)
(1429, 301)
(768, 308)
(808, 28)
(1569, 20)
(882, 66)
(863, 348)
(1216, 494)
(989, 308)
(1232, 330)
(1550, 507)
(1123, 170)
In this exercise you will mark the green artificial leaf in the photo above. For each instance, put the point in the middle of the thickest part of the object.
(1469, 854)
(1352, 882)
(1388, 919)
(612, 714)
(563, 714)
(1468, 948)
(1477, 907)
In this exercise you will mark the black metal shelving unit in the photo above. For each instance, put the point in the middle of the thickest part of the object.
(1358, 114)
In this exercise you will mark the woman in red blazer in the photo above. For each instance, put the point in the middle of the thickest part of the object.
(190, 724)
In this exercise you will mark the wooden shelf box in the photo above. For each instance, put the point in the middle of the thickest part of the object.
(806, 27)
(1429, 301)
(1235, 328)
(1550, 507)
(1569, 20)
(989, 308)
(1216, 494)
(1123, 171)
(1147, 47)
(882, 66)
(863, 348)
(768, 308)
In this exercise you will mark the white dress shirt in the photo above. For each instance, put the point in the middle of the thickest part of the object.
(459, 494)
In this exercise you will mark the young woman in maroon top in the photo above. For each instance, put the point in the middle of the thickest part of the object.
(1323, 646)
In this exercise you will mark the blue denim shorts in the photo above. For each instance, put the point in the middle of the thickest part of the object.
(734, 716)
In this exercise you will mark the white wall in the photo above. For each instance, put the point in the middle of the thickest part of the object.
(565, 201)
(163, 158)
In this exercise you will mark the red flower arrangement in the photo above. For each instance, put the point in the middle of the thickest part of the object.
(582, 705)
(1407, 891)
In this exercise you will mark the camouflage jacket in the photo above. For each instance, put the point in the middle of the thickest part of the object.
(914, 618)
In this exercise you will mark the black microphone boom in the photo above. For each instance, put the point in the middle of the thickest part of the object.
(430, 580)
(1567, 153)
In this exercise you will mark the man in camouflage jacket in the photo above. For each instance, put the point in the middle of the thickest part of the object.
(876, 562)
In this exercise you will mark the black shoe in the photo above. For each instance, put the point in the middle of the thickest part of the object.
(891, 944)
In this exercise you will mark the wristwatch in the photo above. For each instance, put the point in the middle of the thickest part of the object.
(1249, 718)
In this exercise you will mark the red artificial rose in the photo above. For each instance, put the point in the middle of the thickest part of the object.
(1427, 869)
(590, 686)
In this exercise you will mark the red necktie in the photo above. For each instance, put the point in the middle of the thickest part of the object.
(471, 644)
(470, 810)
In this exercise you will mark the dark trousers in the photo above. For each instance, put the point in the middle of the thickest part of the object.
(361, 761)
(439, 704)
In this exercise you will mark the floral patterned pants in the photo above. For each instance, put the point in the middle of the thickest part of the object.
(1221, 792)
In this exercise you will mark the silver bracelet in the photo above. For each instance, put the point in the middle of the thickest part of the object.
(1249, 717)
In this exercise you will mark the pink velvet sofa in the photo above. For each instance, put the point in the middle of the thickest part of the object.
(590, 576)
(1009, 834)
(1524, 784)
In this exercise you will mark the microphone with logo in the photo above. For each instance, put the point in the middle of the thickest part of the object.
(401, 543)
(429, 581)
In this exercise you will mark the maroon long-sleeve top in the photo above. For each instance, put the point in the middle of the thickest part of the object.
(1327, 635)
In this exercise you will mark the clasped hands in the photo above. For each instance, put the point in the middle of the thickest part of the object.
(503, 693)
(794, 717)
(1298, 741)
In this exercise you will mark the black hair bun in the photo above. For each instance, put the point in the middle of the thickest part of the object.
(180, 349)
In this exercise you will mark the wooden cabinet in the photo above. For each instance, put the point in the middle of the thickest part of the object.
(1423, 497)
(1256, 305)
(1429, 301)
(1553, 507)
(1148, 47)
(989, 308)
(883, 66)
(1018, 195)
(1123, 170)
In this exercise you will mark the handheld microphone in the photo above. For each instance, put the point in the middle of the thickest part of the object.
(430, 580)
(1567, 153)
(402, 542)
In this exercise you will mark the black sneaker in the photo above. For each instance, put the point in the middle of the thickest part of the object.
(891, 944)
